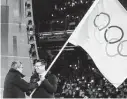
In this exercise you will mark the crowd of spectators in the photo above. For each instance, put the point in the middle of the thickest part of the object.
(89, 87)
(84, 80)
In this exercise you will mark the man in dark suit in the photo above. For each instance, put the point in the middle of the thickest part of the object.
(49, 86)
(15, 85)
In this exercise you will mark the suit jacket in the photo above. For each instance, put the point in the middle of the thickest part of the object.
(15, 86)
(47, 88)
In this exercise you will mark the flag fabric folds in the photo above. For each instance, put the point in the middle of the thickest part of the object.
(102, 33)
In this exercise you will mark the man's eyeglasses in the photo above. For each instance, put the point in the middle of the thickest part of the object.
(38, 66)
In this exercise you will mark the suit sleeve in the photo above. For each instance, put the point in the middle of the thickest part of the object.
(23, 85)
(50, 84)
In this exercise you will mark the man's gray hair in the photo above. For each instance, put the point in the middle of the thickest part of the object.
(16, 64)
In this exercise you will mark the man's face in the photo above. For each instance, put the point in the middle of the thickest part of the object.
(39, 67)
(20, 68)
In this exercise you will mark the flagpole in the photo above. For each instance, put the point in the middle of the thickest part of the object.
(57, 56)
(87, 14)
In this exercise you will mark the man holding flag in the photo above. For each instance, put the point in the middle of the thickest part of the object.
(49, 84)
(102, 33)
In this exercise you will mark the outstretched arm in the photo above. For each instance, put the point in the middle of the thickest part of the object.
(23, 85)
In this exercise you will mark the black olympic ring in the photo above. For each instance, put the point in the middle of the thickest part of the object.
(107, 47)
(105, 25)
(116, 40)
(119, 49)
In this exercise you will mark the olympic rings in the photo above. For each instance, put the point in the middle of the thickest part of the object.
(119, 49)
(105, 25)
(116, 40)
(107, 49)
(111, 41)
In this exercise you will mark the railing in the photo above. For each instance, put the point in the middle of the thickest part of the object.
(55, 35)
